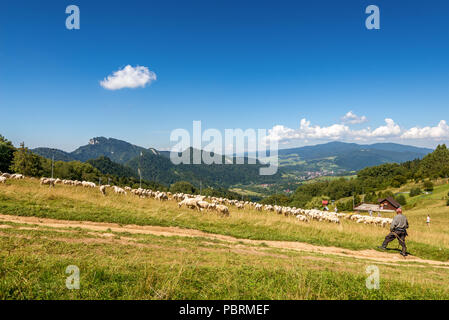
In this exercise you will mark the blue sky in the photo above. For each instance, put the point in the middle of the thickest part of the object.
(230, 64)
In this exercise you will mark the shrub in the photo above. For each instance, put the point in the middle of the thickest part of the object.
(428, 186)
(183, 187)
(401, 199)
(415, 192)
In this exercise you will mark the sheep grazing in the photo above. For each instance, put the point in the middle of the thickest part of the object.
(2, 180)
(48, 181)
(88, 184)
(302, 218)
(119, 190)
(161, 196)
(222, 209)
(189, 203)
(216, 204)
(6, 175)
(203, 204)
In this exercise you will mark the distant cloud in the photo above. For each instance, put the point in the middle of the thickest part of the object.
(441, 131)
(391, 130)
(129, 77)
(352, 118)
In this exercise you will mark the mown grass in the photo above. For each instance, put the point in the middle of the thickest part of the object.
(33, 264)
(28, 198)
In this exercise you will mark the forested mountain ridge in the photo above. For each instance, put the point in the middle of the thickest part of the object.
(340, 156)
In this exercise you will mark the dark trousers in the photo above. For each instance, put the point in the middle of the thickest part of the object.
(391, 236)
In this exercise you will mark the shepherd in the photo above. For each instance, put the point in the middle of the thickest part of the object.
(398, 230)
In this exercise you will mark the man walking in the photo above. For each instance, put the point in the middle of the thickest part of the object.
(398, 229)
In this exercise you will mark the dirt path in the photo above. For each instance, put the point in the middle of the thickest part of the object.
(175, 231)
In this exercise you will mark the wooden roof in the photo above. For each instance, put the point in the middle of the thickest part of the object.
(393, 202)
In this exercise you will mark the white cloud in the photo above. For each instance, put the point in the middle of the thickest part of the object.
(335, 131)
(441, 131)
(390, 130)
(352, 118)
(306, 131)
(129, 77)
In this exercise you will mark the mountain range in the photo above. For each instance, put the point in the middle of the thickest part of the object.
(333, 158)
(112, 156)
(349, 156)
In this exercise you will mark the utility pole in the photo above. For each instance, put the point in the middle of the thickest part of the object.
(140, 176)
(201, 187)
(353, 199)
(140, 173)
(52, 165)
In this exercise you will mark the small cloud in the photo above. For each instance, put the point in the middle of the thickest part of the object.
(352, 118)
(129, 77)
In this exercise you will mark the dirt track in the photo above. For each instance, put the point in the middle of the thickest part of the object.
(175, 231)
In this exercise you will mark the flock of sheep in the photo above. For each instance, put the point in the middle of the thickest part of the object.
(5, 176)
(220, 205)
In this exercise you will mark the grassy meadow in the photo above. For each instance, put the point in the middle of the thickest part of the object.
(117, 265)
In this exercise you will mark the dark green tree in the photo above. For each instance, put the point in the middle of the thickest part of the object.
(401, 199)
(428, 186)
(6, 154)
(277, 199)
(415, 192)
(26, 162)
(183, 186)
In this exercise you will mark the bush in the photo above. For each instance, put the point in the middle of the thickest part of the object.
(401, 199)
(316, 203)
(386, 194)
(277, 199)
(447, 202)
(183, 187)
(415, 192)
(371, 198)
(428, 186)
(345, 206)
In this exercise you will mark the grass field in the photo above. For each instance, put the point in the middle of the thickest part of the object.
(123, 265)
